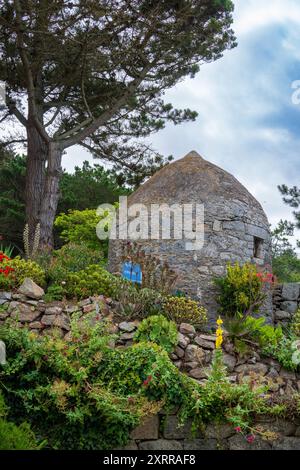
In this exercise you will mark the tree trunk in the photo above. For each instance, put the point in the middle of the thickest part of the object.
(42, 187)
(50, 195)
(35, 178)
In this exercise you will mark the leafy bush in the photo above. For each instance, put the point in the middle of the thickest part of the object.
(135, 302)
(25, 268)
(80, 226)
(183, 309)
(286, 352)
(72, 257)
(54, 292)
(241, 290)
(245, 331)
(90, 281)
(83, 394)
(14, 437)
(159, 330)
(295, 323)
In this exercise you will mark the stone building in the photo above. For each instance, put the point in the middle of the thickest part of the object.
(235, 226)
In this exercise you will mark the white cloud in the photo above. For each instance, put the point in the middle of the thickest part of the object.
(253, 14)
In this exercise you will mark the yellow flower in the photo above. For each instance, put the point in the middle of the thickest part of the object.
(219, 333)
(219, 342)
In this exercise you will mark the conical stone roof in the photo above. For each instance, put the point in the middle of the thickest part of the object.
(193, 179)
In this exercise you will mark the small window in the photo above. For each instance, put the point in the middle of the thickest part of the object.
(258, 248)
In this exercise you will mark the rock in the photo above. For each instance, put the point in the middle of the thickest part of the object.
(47, 320)
(287, 443)
(204, 343)
(273, 373)
(183, 341)
(281, 315)
(5, 296)
(31, 289)
(173, 430)
(55, 310)
(20, 297)
(24, 313)
(179, 352)
(160, 444)
(148, 429)
(282, 426)
(198, 373)
(219, 431)
(178, 364)
(191, 365)
(3, 315)
(127, 336)
(289, 306)
(239, 442)
(229, 361)
(89, 308)
(131, 445)
(36, 325)
(35, 303)
(127, 326)
(201, 444)
(194, 353)
(258, 368)
(62, 321)
(187, 329)
(84, 302)
(71, 309)
(3, 302)
(287, 374)
(291, 291)
(2, 353)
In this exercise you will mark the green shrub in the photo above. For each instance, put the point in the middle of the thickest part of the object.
(54, 292)
(135, 302)
(26, 268)
(71, 258)
(183, 309)
(14, 437)
(80, 227)
(92, 280)
(241, 290)
(249, 331)
(286, 352)
(83, 394)
(157, 329)
(295, 323)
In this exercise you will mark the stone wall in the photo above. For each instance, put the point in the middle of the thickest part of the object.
(163, 432)
(192, 356)
(286, 301)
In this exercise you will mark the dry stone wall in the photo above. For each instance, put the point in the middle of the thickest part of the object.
(163, 432)
(286, 301)
(192, 356)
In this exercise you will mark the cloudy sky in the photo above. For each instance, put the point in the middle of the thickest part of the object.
(247, 122)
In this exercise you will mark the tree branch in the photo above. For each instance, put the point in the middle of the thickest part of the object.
(32, 111)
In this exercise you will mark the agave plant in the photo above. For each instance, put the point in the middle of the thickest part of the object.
(7, 250)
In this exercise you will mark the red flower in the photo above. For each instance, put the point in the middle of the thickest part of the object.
(148, 379)
(250, 438)
(238, 429)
